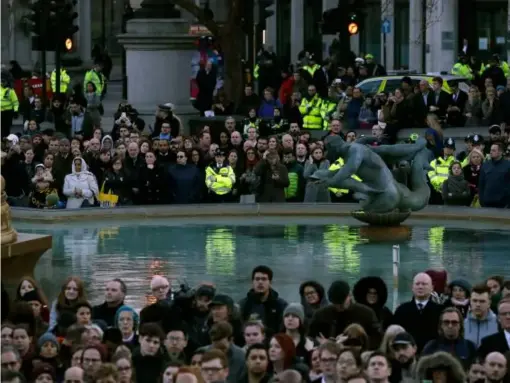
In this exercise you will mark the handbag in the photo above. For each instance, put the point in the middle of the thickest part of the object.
(107, 200)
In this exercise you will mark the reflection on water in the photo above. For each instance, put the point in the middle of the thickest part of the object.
(226, 252)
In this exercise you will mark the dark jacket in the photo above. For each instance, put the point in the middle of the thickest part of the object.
(148, 368)
(421, 325)
(105, 313)
(270, 311)
(462, 349)
(271, 190)
(384, 314)
(153, 185)
(494, 183)
(185, 183)
(330, 322)
(117, 184)
(493, 343)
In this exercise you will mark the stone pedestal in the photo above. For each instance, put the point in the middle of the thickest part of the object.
(19, 252)
(158, 63)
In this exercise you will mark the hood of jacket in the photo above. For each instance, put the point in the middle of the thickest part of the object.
(107, 137)
(463, 284)
(84, 167)
(255, 297)
(323, 300)
(440, 361)
(361, 288)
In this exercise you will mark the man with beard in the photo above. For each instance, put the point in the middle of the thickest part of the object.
(404, 364)
(257, 361)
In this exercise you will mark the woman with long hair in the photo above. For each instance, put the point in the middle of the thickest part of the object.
(282, 353)
(71, 292)
(316, 190)
(26, 284)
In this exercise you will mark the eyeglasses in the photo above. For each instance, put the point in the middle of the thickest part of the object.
(175, 339)
(9, 364)
(451, 322)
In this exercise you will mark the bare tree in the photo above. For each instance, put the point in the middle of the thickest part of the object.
(229, 35)
(433, 12)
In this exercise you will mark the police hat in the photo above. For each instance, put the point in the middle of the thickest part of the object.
(476, 139)
(219, 152)
(449, 143)
(469, 138)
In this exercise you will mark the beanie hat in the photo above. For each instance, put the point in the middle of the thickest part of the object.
(158, 281)
(47, 337)
(31, 296)
(338, 292)
(295, 309)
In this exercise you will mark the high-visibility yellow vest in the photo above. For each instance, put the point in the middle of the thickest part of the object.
(503, 65)
(256, 71)
(220, 181)
(95, 78)
(327, 109)
(440, 171)
(462, 70)
(336, 166)
(311, 69)
(65, 80)
(9, 100)
(311, 112)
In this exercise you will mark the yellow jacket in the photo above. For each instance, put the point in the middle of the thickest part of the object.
(95, 78)
(338, 165)
(220, 180)
(311, 112)
(65, 80)
(440, 171)
(9, 99)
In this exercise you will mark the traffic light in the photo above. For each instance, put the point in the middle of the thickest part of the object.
(353, 26)
(66, 18)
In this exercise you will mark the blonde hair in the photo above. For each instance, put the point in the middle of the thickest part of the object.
(390, 334)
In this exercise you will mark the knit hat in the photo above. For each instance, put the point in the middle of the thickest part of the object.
(31, 296)
(463, 284)
(338, 292)
(47, 337)
(295, 309)
(205, 291)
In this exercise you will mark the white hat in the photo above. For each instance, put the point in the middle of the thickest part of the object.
(13, 138)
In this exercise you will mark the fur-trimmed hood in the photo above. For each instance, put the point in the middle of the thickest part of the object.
(440, 361)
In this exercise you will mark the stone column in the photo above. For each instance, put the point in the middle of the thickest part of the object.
(158, 61)
(296, 28)
(84, 35)
(327, 40)
(416, 37)
(508, 34)
(388, 13)
(442, 35)
(272, 27)
(355, 44)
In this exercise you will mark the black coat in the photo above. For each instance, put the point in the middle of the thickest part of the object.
(421, 325)
(152, 184)
(455, 118)
(148, 368)
(384, 314)
(105, 313)
(206, 83)
(493, 343)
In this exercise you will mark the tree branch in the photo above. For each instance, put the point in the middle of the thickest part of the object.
(195, 10)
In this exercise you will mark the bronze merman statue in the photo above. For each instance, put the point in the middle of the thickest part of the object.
(378, 191)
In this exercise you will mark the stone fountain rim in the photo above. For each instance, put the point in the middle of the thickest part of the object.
(448, 213)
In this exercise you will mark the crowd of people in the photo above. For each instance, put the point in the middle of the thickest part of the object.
(449, 332)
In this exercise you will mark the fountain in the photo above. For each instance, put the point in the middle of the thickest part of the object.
(20, 251)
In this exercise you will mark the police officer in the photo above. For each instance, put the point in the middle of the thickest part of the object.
(9, 107)
(219, 179)
(310, 109)
(95, 77)
(65, 80)
(440, 169)
(462, 69)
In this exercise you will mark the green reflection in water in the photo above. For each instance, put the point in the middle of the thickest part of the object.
(220, 251)
(436, 241)
(340, 243)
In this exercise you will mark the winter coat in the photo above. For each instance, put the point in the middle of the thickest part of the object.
(323, 300)
(383, 313)
(316, 191)
(439, 361)
(83, 180)
(185, 183)
(494, 184)
(269, 311)
(330, 323)
(152, 184)
(475, 330)
(271, 190)
(236, 363)
(463, 350)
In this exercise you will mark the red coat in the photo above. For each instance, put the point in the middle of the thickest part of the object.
(286, 90)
